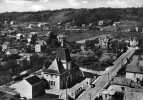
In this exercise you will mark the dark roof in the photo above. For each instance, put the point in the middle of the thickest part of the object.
(56, 67)
(32, 80)
(89, 75)
(63, 54)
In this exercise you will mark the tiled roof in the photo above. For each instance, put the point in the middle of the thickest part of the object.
(32, 80)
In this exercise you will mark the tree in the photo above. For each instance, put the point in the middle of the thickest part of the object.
(33, 39)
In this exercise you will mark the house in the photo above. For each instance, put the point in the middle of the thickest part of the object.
(134, 70)
(5, 46)
(121, 90)
(62, 73)
(101, 22)
(137, 29)
(79, 88)
(39, 45)
(103, 41)
(133, 43)
(29, 87)
(82, 86)
(41, 42)
(38, 48)
(55, 75)
(12, 52)
(19, 36)
(61, 38)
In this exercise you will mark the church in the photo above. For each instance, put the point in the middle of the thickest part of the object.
(62, 73)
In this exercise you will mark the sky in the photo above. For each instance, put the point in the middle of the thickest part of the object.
(38, 5)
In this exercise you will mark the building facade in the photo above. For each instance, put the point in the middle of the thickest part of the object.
(29, 87)
(62, 73)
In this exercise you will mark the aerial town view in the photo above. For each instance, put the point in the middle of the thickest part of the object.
(71, 50)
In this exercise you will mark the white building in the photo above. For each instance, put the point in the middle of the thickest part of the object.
(19, 36)
(5, 46)
(103, 41)
(133, 43)
(29, 87)
(38, 48)
(62, 72)
(54, 74)
(101, 22)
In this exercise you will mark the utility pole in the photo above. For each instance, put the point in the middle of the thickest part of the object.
(67, 78)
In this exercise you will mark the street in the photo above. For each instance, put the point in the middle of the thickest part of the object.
(104, 80)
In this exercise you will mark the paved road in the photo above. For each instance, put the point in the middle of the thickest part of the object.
(104, 80)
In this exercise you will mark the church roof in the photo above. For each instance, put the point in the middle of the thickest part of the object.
(56, 67)
(63, 54)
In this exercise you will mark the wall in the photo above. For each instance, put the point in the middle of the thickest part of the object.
(37, 89)
(130, 76)
(24, 88)
(76, 90)
(63, 81)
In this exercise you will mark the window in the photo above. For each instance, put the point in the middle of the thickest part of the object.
(52, 82)
(72, 94)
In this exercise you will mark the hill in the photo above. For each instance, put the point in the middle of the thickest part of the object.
(76, 16)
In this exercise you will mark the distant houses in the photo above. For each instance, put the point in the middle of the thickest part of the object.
(61, 73)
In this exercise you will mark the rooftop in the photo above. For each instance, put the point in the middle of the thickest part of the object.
(56, 67)
(32, 80)
(89, 75)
